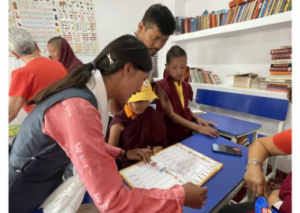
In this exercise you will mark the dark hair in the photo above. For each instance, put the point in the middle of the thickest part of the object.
(161, 17)
(55, 40)
(122, 50)
(175, 52)
(289, 94)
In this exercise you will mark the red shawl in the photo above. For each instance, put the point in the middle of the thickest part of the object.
(145, 130)
(175, 132)
(67, 56)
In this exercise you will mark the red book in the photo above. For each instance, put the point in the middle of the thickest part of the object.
(257, 9)
(214, 20)
(232, 3)
(281, 69)
(189, 24)
(281, 51)
(278, 85)
(281, 56)
(210, 20)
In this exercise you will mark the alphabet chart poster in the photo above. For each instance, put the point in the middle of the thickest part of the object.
(177, 164)
(70, 19)
(39, 18)
(78, 25)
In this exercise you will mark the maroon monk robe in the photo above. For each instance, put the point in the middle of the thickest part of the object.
(176, 133)
(145, 130)
(67, 56)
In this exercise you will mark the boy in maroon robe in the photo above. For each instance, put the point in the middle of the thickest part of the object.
(174, 95)
(138, 125)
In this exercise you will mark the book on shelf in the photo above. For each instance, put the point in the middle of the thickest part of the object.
(282, 56)
(217, 79)
(178, 24)
(287, 5)
(281, 69)
(281, 73)
(242, 79)
(257, 9)
(284, 77)
(263, 85)
(281, 51)
(282, 61)
(282, 6)
(177, 164)
(281, 65)
(239, 11)
(272, 7)
(264, 8)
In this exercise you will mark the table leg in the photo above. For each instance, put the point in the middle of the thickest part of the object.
(249, 196)
(255, 135)
(233, 139)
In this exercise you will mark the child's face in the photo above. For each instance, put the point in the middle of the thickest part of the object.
(177, 67)
(139, 107)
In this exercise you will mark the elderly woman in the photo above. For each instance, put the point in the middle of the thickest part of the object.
(37, 74)
(60, 50)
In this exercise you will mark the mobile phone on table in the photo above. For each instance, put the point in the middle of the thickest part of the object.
(231, 150)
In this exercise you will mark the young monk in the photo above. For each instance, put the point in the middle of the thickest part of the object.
(174, 95)
(138, 125)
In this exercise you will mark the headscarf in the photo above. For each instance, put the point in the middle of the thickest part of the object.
(67, 56)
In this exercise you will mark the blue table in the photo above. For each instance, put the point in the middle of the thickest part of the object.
(225, 184)
(232, 127)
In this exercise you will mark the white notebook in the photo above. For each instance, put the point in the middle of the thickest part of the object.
(177, 164)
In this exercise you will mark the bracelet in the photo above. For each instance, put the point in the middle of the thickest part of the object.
(254, 162)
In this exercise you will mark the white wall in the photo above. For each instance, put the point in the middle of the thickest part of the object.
(117, 17)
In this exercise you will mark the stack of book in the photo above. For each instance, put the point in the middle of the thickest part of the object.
(280, 70)
(240, 10)
(198, 75)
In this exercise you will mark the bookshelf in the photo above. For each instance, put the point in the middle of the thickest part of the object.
(267, 21)
(228, 88)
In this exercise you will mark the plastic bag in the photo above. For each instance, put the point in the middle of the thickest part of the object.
(261, 206)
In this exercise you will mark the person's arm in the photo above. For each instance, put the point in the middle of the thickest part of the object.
(114, 134)
(15, 104)
(83, 141)
(259, 151)
(175, 118)
(115, 107)
(202, 121)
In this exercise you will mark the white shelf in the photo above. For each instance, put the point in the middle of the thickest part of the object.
(256, 23)
(228, 88)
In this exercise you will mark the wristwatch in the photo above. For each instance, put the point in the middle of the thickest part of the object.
(277, 205)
